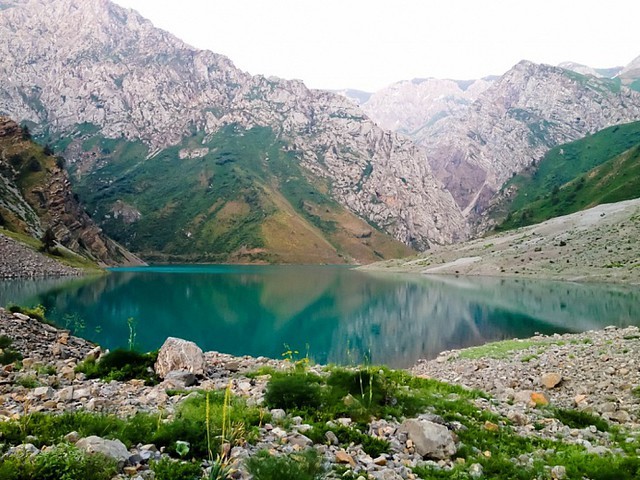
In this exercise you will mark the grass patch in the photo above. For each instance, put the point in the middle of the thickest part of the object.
(306, 465)
(503, 349)
(169, 469)
(580, 419)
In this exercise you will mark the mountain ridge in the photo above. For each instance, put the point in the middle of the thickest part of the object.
(145, 84)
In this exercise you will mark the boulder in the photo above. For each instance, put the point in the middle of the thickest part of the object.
(430, 439)
(111, 448)
(178, 354)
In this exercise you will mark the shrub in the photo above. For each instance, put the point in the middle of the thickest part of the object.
(62, 462)
(167, 469)
(299, 390)
(8, 355)
(303, 466)
(121, 365)
(37, 312)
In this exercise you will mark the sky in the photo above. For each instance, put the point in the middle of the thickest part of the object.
(369, 44)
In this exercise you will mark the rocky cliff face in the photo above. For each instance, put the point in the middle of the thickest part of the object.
(478, 134)
(514, 122)
(92, 62)
(36, 195)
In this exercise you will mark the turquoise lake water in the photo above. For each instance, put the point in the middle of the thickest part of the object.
(334, 314)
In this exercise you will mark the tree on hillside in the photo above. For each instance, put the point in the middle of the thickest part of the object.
(48, 240)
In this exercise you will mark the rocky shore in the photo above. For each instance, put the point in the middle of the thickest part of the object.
(594, 372)
(19, 261)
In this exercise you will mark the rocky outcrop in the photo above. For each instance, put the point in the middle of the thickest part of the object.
(37, 195)
(93, 62)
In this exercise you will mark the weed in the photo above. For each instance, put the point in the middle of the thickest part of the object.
(7, 354)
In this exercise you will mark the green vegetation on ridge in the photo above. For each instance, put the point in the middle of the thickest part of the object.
(600, 168)
(238, 195)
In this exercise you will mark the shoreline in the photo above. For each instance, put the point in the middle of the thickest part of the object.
(592, 373)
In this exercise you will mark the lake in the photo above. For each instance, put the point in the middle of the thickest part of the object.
(333, 314)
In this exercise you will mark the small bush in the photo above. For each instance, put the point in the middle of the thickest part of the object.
(7, 354)
(121, 365)
(296, 390)
(62, 462)
(28, 381)
(37, 312)
(168, 469)
(303, 466)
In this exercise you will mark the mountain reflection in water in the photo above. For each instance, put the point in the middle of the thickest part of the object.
(334, 314)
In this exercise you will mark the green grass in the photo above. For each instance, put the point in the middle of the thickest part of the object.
(601, 168)
(503, 349)
(238, 167)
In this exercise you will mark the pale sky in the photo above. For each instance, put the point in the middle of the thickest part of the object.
(368, 44)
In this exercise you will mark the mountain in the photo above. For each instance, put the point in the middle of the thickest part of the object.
(36, 199)
(171, 147)
(478, 134)
(411, 105)
(600, 168)
(511, 125)
(631, 74)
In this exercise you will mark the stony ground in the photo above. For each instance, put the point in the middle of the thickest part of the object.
(20, 261)
(595, 245)
(594, 371)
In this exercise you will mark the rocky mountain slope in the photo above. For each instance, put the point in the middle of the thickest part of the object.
(598, 245)
(36, 197)
(480, 133)
(513, 123)
(106, 79)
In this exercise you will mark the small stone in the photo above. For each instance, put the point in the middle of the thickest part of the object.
(490, 426)
(344, 457)
(72, 437)
(331, 437)
(278, 414)
(381, 460)
(550, 380)
(475, 470)
(559, 472)
(539, 399)
(578, 400)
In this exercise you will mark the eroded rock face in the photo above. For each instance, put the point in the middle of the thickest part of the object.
(93, 62)
(179, 355)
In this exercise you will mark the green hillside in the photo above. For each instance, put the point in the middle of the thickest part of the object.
(600, 168)
(238, 196)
